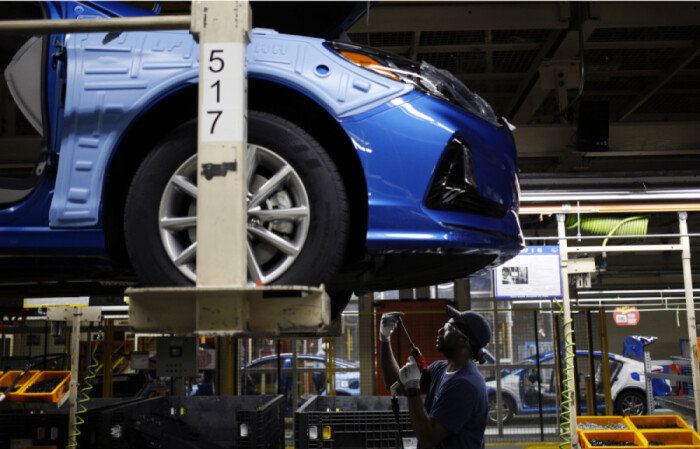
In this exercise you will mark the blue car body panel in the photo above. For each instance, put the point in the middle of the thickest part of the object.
(400, 148)
(399, 135)
(110, 85)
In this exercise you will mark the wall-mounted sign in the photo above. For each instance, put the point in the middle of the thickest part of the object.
(534, 273)
(626, 316)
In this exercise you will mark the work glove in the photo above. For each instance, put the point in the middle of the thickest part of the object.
(410, 375)
(388, 325)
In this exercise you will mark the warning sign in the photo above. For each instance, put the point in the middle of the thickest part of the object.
(626, 316)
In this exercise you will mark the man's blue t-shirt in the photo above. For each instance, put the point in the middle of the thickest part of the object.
(459, 402)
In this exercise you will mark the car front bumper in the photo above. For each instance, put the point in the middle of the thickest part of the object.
(401, 145)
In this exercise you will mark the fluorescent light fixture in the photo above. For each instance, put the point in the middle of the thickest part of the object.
(542, 196)
(633, 292)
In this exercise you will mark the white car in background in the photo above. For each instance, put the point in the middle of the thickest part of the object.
(520, 387)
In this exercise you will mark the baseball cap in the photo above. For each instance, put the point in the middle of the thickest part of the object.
(471, 324)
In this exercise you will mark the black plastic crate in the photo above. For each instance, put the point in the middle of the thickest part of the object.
(50, 428)
(355, 422)
(245, 422)
(40, 429)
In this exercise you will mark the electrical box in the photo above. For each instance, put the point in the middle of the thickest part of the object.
(593, 127)
(176, 357)
(139, 360)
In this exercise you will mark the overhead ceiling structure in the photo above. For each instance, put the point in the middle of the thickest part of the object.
(523, 58)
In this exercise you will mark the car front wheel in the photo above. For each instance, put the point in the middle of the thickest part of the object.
(630, 403)
(507, 409)
(297, 209)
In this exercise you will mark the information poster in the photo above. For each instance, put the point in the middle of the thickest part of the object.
(534, 273)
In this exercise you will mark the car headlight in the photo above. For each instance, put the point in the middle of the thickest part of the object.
(425, 77)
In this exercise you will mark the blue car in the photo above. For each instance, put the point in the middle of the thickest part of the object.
(367, 171)
(262, 375)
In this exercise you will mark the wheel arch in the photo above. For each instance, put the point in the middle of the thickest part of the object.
(509, 396)
(180, 104)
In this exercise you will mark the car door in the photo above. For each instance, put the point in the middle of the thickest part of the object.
(31, 84)
(545, 385)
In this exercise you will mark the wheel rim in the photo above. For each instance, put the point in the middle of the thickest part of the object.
(493, 411)
(278, 216)
(632, 405)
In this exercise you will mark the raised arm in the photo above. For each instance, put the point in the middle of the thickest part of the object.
(390, 369)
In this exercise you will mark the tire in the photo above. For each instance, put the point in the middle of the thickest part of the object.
(507, 413)
(630, 402)
(315, 234)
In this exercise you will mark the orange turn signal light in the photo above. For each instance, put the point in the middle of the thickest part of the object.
(368, 63)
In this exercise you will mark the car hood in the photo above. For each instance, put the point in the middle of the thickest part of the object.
(327, 20)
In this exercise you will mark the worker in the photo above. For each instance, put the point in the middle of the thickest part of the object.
(456, 403)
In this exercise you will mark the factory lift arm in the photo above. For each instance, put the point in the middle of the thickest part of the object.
(222, 303)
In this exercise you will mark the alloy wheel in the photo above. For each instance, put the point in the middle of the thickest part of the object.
(278, 216)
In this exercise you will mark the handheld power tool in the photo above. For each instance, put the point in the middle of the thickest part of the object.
(422, 366)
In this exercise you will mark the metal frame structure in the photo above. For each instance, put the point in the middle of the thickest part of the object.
(649, 375)
(683, 246)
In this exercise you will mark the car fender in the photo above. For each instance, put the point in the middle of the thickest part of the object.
(506, 394)
(509, 387)
(111, 83)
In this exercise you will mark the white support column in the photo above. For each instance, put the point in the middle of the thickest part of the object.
(222, 142)
(690, 310)
(568, 329)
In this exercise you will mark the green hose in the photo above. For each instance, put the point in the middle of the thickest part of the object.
(566, 392)
(73, 438)
(610, 225)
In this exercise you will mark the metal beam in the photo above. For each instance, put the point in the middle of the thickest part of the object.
(649, 14)
(605, 73)
(463, 48)
(568, 49)
(626, 139)
(546, 209)
(690, 311)
(623, 249)
(447, 17)
(31, 27)
(660, 80)
(639, 44)
(532, 72)
(489, 76)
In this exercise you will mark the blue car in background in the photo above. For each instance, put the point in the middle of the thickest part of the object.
(521, 388)
(347, 383)
(366, 170)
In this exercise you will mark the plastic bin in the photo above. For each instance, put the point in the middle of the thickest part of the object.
(243, 422)
(666, 422)
(55, 395)
(621, 435)
(349, 422)
(10, 376)
(677, 439)
(603, 421)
